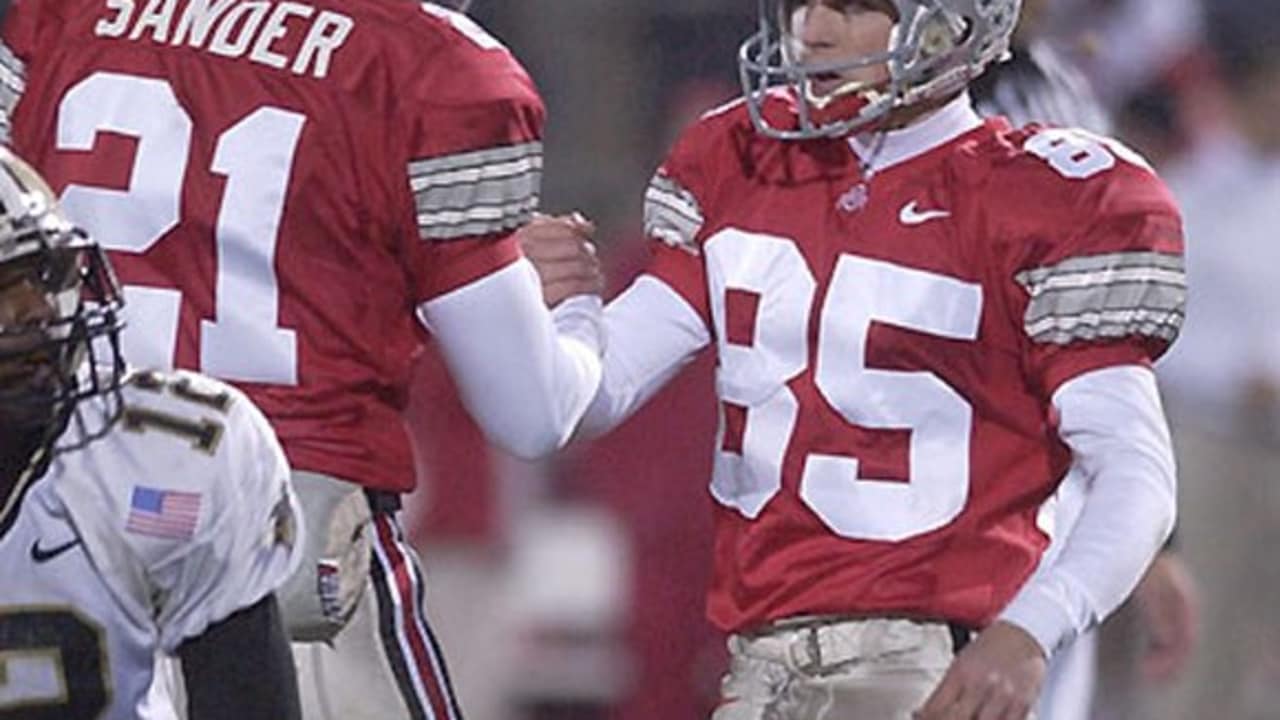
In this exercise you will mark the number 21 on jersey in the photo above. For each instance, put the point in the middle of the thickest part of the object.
(243, 342)
(757, 377)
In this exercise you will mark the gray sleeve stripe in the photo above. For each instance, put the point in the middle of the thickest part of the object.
(1119, 296)
(12, 70)
(670, 193)
(424, 169)
(450, 225)
(672, 214)
(482, 173)
(11, 82)
(662, 207)
(12, 85)
(672, 228)
(476, 212)
(489, 192)
(1097, 266)
(1103, 278)
(1107, 324)
(1164, 331)
(1106, 296)
(672, 205)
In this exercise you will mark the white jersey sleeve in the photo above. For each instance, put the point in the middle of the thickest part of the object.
(1114, 424)
(651, 333)
(188, 501)
(525, 381)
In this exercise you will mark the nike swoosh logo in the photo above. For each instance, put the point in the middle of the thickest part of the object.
(913, 215)
(41, 555)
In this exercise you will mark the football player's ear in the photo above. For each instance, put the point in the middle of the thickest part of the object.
(561, 250)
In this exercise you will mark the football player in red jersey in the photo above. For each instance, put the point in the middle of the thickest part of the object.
(923, 322)
(287, 189)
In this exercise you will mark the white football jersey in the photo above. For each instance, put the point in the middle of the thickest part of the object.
(133, 543)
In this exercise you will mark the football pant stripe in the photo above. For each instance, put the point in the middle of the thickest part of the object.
(420, 651)
(428, 167)
(396, 655)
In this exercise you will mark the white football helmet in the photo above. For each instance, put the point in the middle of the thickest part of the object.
(936, 48)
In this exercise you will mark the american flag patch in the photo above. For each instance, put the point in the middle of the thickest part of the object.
(163, 513)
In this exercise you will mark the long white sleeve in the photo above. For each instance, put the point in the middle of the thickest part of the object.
(651, 333)
(526, 382)
(1114, 424)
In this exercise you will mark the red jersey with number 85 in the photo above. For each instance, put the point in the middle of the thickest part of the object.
(281, 185)
(889, 346)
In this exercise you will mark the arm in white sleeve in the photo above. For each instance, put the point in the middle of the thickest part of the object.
(524, 381)
(651, 333)
(1114, 424)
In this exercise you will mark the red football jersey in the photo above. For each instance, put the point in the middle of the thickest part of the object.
(281, 184)
(888, 348)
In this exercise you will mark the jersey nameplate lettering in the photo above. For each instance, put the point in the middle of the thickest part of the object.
(233, 29)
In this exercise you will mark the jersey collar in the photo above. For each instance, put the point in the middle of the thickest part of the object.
(881, 150)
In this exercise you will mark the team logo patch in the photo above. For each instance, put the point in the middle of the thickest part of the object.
(854, 199)
(163, 513)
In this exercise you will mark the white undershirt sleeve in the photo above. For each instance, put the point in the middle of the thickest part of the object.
(525, 380)
(652, 332)
(1113, 421)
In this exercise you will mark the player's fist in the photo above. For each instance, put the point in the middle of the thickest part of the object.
(560, 249)
(997, 677)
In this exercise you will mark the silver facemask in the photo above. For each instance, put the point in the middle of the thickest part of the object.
(935, 49)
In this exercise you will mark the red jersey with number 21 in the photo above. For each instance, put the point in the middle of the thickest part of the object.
(280, 185)
(888, 350)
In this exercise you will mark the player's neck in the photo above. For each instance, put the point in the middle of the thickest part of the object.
(932, 127)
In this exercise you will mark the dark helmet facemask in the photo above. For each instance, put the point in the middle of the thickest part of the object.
(70, 350)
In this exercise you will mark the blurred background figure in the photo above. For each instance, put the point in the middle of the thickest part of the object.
(1192, 85)
(1223, 382)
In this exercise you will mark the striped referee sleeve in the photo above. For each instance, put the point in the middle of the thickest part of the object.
(672, 214)
(1103, 297)
(12, 83)
(472, 194)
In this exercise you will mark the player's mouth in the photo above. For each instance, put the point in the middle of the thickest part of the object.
(827, 83)
(825, 87)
